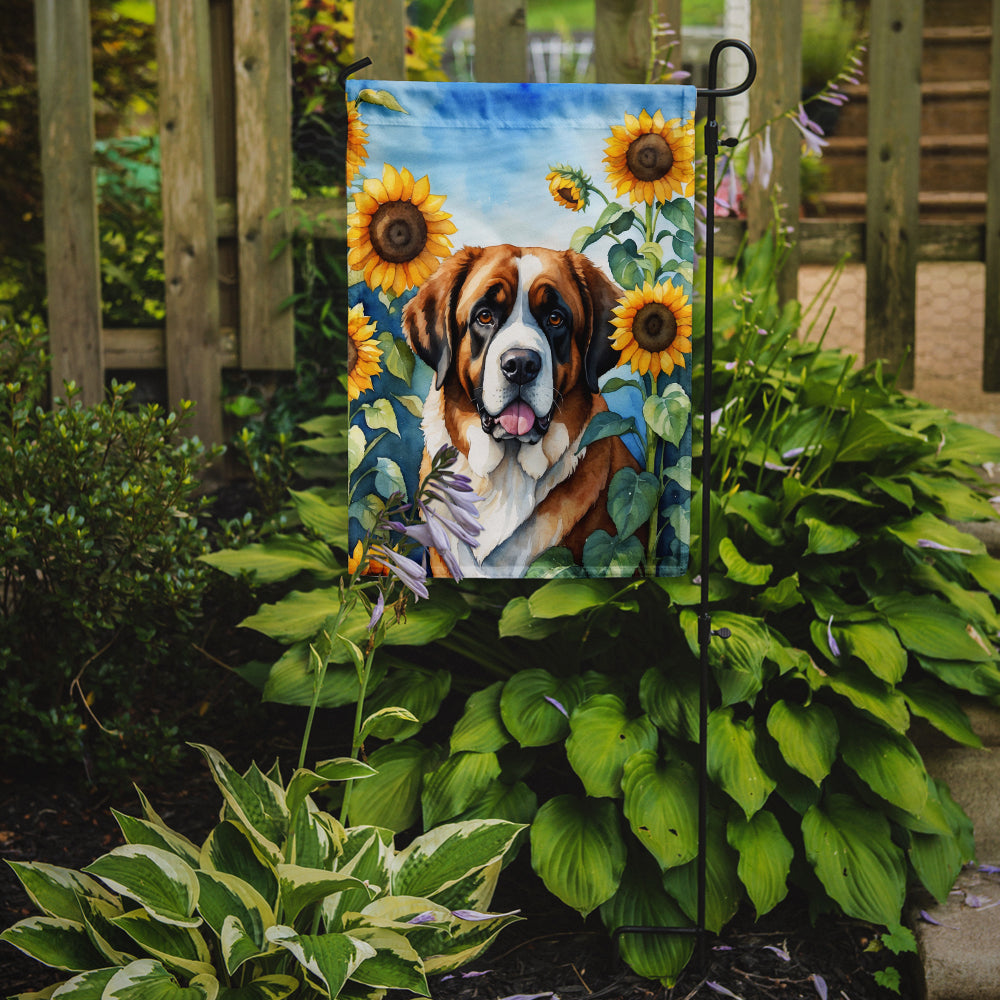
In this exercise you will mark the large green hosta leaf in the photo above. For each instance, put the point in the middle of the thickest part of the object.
(723, 889)
(535, 706)
(930, 627)
(888, 763)
(601, 740)
(641, 901)
(391, 798)
(481, 727)
(456, 784)
(807, 736)
(578, 851)
(876, 645)
(732, 760)
(765, 858)
(279, 558)
(661, 806)
(738, 661)
(851, 850)
(670, 698)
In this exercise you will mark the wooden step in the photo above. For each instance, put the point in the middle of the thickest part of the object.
(939, 13)
(956, 53)
(957, 206)
(947, 107)
(947, 162)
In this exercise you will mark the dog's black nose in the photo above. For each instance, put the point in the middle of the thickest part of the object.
(520, 365)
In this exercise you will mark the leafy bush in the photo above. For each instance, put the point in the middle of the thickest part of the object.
(279, 899)
(99, 540)
(854, 604)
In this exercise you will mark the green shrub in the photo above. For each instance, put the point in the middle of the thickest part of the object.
(279, 900)
(101, 584)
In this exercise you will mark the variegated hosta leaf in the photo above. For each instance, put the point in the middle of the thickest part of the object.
(149, 980)
(304, 782)
(116, 947)
(807, 736)
(395, 964)
(765, 858)
(141, 831)
(578, 851)
(441, 857)
(158, 880)
(642, 902)
(275, 987)
(56, 891)
(54, 941)
(329, 959)
(602, 737)
(256, 801)
(850, 847)
(315, 838)
(230, 849)
(732, 760)
(723, 889)
(367, 853)
(475, 891)
(225, 897)
(661, 805)
(301, 887)
(177, 947)
(86, 986)
(456, 784)
(468, 939)
(481, 727)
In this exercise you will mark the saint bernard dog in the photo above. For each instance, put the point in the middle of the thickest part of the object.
(517, 338)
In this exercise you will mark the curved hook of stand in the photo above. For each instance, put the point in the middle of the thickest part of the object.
(349, 70)
(712, 90)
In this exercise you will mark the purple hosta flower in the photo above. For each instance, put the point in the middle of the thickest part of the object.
(558, 705)
(820, 983)
(927, 543)
(760, 164)
(409, 572)
(812, 134)
(377, 612)
(780, 952)
(719, 988)
(989, 869)
(831, 642)
(427, 917)
(475, 915)
(465, 975)
(728, 195)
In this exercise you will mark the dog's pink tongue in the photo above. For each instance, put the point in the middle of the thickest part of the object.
(518, 418)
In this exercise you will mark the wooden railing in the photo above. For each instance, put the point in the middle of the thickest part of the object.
(226, 161)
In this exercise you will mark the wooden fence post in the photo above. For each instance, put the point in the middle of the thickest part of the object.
(776, 34)
(262, 61)
(190, 251)
(991, 332)
(72, 254)
(621, 40)
(893, 183)
(380, 34)
(501, 41)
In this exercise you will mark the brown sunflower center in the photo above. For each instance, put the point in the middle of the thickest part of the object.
(649, 157)
(654, 327)
(352, 354)
(568, 194)
(398, 231)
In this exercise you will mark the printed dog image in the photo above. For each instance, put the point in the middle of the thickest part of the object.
(517, 338)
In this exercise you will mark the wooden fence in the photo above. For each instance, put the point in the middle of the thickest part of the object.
(226, 161)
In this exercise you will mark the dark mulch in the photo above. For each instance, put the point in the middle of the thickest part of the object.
(551, 952)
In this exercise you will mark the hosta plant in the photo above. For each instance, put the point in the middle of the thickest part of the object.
(279, 900)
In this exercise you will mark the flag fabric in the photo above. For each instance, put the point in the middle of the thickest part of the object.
(520, 266)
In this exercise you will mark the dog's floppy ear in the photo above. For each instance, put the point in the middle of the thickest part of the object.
(602, 295)
(429, 320)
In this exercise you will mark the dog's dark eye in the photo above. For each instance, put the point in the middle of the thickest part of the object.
(484, 317)
(556, 319)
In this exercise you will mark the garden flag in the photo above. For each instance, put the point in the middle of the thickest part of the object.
(520, 261)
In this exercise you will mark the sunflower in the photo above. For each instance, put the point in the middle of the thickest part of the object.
(651, 158)
(363, 353)
(569, 187)
(398, 232)
(357, 138)
(653, 328)
(372, 567)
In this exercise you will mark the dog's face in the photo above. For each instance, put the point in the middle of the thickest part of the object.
(518, 330)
